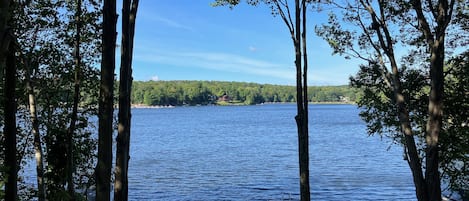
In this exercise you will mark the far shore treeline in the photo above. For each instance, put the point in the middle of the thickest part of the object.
(178, 93)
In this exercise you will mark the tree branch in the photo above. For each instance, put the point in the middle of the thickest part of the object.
(424, 26)
(288, 21)
(432, 9)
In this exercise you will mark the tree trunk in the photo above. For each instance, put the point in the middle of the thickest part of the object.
(106, 102)
(38, 153)
(386, 45)
(8, 73)
(413, 158)
(434, 124)
(4, 32)
(129, 11)
(305, 135)
(302, 101)
(76, 100)
(9, 128)
(436, 43)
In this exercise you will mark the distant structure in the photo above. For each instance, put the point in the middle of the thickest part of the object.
(225, 98)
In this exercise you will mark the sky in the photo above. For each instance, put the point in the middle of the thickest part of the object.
(191, 40)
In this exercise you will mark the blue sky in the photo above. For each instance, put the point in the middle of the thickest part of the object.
(190, 40)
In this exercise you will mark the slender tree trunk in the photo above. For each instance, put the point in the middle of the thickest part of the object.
(305, 191)
(302, 101)
(413, 158)
(8, 73)
(9, 128)
(386, 45)
(129, 11)
(106, 102)
(38, 153)
(4, 34)
(76, 100)
(120, 183)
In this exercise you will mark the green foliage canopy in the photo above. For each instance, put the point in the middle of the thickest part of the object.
(208, 92)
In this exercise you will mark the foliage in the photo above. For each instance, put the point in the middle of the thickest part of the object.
(46, 31)
(207, 92)
(381, 117)
(374, 32)
(455, 155)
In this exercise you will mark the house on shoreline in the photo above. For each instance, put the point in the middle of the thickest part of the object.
(224, 98)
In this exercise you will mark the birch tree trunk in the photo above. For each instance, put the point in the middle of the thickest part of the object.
(38, 153)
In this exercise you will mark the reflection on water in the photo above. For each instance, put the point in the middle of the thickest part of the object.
(250, 153)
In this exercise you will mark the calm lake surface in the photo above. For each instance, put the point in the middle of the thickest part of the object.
(250, 153)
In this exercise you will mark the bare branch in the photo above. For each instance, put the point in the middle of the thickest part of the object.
(450, 12)
(432, 9)
(287, 20)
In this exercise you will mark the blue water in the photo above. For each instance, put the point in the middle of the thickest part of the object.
(250, 153)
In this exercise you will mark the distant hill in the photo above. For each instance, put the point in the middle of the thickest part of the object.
(218, 92)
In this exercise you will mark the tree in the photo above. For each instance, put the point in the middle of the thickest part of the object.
(106, 102)
(38, 152)
(76, 100)
(435, 40)
(129, 13)
(8, 75)
(392, 91)
(455, 135)
(46, 37)
(297, 30)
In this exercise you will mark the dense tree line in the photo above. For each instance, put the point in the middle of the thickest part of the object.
(208, 92)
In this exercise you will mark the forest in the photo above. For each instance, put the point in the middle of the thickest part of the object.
(178, 93)
(64, 111)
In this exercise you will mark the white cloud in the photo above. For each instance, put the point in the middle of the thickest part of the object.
(155, 78)
(252, 48)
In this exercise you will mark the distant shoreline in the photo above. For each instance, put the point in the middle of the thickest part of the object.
(151, 106)
(143, 106)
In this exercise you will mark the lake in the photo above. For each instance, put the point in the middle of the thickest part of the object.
(250, 153)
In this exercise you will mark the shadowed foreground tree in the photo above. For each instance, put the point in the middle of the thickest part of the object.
(106, 102)
(297, 30)
(129, 13)
(76, 101)
(8, 77)
(395, 91)
(47, 34)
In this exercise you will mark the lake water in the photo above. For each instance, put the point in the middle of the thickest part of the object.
(250, 153)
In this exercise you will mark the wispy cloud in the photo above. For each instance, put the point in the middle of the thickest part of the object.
(165, 21)
(221, 62)
(252, 48)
